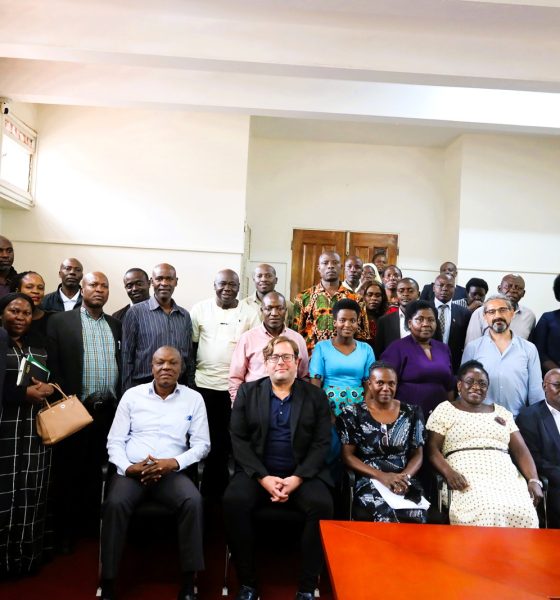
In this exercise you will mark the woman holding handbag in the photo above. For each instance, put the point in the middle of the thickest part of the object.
(24, 460)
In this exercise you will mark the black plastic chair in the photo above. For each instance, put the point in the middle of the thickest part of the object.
(147, 510)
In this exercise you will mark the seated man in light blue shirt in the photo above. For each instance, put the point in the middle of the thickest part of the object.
(160, 428)
(511, 361)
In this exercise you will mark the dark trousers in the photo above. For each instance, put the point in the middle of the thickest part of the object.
(244, 495)
(553, 507)
(218, 410)
(176, 491)
(76, 481)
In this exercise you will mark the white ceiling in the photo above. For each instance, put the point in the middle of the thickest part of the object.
(396, 68)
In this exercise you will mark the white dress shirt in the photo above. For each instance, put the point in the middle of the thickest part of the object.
(555, 415)
(69, 303)
(145, 423)
(404, 331)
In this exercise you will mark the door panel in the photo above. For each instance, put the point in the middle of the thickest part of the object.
(365, 245)
(309, 244)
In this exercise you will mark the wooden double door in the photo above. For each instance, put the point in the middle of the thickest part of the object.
(309, 244)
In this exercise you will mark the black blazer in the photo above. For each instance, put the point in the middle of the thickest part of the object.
(460, 317)
(3, 353)
(53, 302)
(540, 433)
(310, 423)
(388, 330)
(428, 292)
(65, 349)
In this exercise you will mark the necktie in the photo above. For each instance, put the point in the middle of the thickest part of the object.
(442, 319)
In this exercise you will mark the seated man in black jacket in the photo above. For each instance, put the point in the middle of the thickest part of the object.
(280, 433)
(539, 425)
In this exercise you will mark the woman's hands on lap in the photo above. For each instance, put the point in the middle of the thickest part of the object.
(456, 481)
(397, 482)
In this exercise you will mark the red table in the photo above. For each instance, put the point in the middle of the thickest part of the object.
(369, 561)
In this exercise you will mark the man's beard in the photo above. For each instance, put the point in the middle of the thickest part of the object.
(499, 326)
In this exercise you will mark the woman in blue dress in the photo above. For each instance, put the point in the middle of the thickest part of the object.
(341, 365)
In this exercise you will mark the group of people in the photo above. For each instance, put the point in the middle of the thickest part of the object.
(362, 369)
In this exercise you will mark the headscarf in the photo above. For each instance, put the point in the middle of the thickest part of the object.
(377, 277)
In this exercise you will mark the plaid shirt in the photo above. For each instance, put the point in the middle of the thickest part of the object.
(100, 369)
(313, 314)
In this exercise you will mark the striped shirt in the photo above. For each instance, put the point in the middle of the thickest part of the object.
(100, 368)
(147, 327)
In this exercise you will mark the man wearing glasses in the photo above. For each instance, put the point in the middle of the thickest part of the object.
(280, 432)
(539, 425)
(511, 361)
(523, 320)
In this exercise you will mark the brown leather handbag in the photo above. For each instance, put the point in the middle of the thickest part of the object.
(61, 419)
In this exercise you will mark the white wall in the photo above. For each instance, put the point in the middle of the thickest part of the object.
(510, 212)
(355, 187)
(121, 188)
(490, 203)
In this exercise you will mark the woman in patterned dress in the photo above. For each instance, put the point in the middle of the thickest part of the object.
(24, 460)
(472, 444)
(382, 441)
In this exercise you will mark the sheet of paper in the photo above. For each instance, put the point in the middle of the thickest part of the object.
(396, 501)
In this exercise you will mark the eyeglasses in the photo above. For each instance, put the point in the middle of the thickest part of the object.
(385, 435)
(554, 384)
(472, 383)
(286, 358)
(497, 311)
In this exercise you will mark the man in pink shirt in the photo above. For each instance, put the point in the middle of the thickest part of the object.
(247, 363)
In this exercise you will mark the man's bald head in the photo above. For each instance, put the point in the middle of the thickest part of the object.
(95, 290)
(167, 366)
(551, 385)
(71, 272)
(264, 278)
(226, 286)
(164, 281)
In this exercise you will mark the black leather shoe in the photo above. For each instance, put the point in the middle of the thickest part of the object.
(247, 593)
(305, 596)
(108, 591)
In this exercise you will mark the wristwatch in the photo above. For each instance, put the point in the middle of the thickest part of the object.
(537, 481)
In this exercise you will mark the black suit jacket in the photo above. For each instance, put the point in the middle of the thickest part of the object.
(540, 433)
(3, 353)
(310, 424)
(388, 330)
(460, 317)
(428, 293)
(65, 349)
(53, 302)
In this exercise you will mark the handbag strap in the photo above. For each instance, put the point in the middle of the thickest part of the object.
(56, 387)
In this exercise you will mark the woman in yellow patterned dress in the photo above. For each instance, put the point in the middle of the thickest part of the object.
(470, 444)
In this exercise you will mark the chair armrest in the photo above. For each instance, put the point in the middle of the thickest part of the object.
(348, 482)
